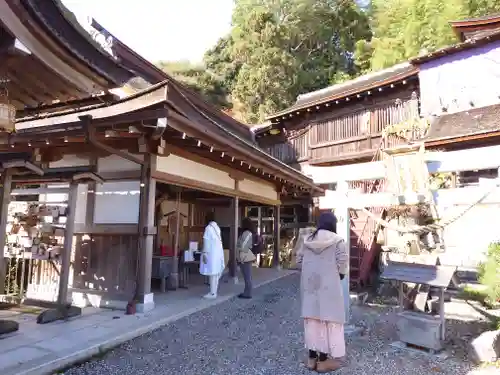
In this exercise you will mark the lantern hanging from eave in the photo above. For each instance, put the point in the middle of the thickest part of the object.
(7, 110)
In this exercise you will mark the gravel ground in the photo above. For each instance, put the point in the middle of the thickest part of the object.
(264, 336)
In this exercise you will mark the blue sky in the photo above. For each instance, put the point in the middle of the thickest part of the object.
(161, 29)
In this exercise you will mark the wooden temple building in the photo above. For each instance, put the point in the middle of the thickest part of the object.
(338, 135)
(340, 126)
(103, 190)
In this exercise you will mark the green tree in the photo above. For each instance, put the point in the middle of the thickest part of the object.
(219, 61)
(287, 47)
(198, 78)
(406, 28)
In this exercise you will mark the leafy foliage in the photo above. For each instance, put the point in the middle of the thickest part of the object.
(489, 274)
(406, 28)
(288, 47)
(198, 78)
(278, 49)
(219, 62)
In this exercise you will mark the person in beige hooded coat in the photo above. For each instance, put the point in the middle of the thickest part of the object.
(324, 261)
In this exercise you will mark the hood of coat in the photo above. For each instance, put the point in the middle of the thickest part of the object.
(322, 241)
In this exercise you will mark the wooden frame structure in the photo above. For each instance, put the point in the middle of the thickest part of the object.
(65, 112)
(160, 129)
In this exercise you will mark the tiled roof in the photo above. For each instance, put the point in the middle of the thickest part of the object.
(354, 86)
(471, 122)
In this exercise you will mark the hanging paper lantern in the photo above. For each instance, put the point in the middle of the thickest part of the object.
(7, 112)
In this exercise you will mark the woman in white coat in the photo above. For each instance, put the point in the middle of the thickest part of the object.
(212, 256)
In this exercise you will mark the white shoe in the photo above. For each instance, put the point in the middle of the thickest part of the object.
(210, 296)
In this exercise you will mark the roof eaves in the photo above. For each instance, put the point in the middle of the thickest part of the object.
(476, 21)
(299, 176)
(388, 80)
(460, 137)
(455, 48)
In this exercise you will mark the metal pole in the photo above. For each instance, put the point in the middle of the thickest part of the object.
(6, 181)
(62, 297)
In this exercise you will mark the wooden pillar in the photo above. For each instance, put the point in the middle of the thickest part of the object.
(234, 238)
(174, 275)
(442, 316)
(62, 297)
(277, 237)
(259, 232)
(6, 181)
(259, 220)
(91, 188)
(147, 231)
(295, 222)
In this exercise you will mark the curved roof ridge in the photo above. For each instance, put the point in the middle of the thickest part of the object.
(347, 84)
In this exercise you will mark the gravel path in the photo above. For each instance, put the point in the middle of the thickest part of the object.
(263, 336)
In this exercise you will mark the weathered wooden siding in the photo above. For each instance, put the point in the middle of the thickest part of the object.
(358, 132)
(349, 132)
(106, 263)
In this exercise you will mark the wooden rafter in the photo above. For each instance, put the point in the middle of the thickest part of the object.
(150, 105)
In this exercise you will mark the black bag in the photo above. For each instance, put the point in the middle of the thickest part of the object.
(257, 244)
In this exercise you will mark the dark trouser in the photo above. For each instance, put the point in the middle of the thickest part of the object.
(320, 356)
(246, 270)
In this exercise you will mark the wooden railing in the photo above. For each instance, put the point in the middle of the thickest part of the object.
(31, 278)
(345, 148)
(359, 132)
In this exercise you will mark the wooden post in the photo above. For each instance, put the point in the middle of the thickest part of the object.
(401, 296)
(144, 297)
(277, 237)
(259, 220)
(234, 239)
(174, 275)
(310, 215)
(62, 297)
(441, 314)
(259, 232)
(91, 187)
(6, 181)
